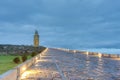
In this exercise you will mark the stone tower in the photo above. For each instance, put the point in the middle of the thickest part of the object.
(36, 39)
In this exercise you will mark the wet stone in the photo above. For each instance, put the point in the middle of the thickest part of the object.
(61, 65)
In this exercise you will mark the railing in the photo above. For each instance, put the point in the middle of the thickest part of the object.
(104, 55)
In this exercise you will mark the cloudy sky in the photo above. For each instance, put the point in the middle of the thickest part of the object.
(61, 23)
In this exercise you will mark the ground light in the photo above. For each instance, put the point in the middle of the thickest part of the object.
(87, 53)
(24, 68)
(99, 55)
(74, 51)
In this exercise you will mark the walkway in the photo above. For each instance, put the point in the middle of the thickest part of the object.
(60, 65)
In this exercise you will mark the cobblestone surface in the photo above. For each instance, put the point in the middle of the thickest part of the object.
(60, 65)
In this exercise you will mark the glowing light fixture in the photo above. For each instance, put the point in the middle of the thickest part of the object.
(99, 55)
(24, 69)
(87, 53)
(74, 51)
(36, 58)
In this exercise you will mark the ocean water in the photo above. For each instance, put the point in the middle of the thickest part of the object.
(99, 50)
(104, 50)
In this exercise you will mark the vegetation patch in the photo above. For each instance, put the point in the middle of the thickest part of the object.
(9, 61)
(6, 63)
(16, 60)
(24, 58)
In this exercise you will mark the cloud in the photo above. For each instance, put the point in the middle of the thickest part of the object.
(61, 23)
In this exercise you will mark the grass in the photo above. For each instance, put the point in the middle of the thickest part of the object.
(6, 62)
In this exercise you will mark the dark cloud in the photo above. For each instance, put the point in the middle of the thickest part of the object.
(61, 23)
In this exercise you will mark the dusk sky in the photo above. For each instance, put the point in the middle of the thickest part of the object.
(61, 23)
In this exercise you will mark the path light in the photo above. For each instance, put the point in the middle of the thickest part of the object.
(25, 74)
(99, 55)
(36, 58)
(24, 68)
(87, 52)
(74, 51)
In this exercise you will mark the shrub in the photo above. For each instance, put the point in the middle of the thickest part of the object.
(16, 60)
(33, 54)
(24, 58)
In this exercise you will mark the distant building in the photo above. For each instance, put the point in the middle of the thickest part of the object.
(36, 39)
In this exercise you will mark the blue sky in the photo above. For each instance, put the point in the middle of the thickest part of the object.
(61, 23)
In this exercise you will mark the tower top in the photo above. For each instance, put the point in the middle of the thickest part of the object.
(36, 32)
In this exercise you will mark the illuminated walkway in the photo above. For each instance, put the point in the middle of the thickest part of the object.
(60, 65)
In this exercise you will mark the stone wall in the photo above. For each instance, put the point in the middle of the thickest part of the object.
(104, 55)
(15, 73)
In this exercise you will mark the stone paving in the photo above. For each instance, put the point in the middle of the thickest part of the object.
(61, 65)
